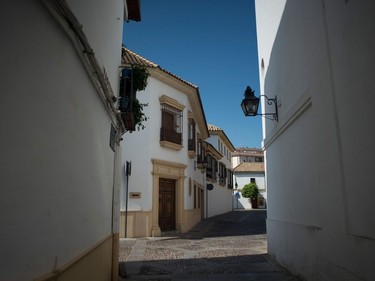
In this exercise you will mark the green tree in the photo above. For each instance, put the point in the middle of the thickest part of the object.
(250, 191)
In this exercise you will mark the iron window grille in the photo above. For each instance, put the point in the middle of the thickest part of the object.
(171, 129)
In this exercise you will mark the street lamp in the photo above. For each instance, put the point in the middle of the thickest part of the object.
(250, 104)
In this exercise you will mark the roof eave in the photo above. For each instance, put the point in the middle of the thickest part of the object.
(225, 139)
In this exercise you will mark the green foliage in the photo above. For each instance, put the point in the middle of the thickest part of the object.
(139, 116)
(250, 191)
(140, 76)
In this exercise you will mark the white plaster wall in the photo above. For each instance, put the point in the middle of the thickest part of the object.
(242, 180)
(213, 139)
(197, 176)
(240, 202)
(319, 204)
(56, 164)
(142, 146)
(136, 147)
(235, 161)
(220, 198)
(102, 21)
(268, 15)
(181, 156)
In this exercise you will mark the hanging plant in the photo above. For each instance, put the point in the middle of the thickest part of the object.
(139, 116)
(133, 80)
(140, 76)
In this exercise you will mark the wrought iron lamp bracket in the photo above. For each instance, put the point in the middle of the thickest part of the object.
(271, 101)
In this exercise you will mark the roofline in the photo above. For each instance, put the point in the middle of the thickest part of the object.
(253, 168)
(247, 172)
(178, 83)
(228, 142)
(236, 153)
(203, 113)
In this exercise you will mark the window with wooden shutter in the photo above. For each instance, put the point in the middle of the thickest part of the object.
(127, 97)
(171, 123)
(209, 169)
(171, 128)
(191, 136)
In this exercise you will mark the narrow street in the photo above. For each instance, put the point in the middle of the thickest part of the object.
(231, 246)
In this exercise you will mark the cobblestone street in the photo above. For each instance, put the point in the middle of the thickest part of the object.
(228, 247)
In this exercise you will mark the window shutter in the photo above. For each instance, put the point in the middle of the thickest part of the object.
(167, 120)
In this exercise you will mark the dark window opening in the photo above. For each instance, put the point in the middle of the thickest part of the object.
(230, 179)
(201, 152)
(191, 137)
(171, 125)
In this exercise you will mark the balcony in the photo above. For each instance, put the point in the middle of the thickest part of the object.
(191, 148)
(170, 138)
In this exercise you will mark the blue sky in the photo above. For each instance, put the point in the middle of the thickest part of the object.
(212, 44)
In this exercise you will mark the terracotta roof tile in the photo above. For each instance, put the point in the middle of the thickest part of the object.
(250, 167)
(129, 57)
(213, 128)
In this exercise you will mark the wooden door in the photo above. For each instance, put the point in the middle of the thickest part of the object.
(167, 204)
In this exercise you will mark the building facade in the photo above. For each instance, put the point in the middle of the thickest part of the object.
(318, 57)
(245, 154)
(165, 191)
(219, 172)
(59, 174)
(245, 173)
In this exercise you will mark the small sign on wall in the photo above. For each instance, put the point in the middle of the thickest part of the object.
(135, 195)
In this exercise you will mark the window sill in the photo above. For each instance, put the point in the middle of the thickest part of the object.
(192, 154)
(171, 145)
(211, 180)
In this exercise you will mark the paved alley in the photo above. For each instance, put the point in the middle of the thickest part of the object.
(228, 247)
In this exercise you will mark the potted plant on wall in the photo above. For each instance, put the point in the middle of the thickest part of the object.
(251, 191)
(133, 79)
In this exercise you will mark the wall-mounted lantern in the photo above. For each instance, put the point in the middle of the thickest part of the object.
(250, 104)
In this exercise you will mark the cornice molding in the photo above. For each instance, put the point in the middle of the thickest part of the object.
(172, 102)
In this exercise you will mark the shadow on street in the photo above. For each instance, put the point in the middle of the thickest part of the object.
(235, 223)
(232, 246)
